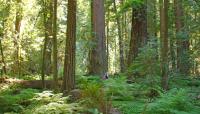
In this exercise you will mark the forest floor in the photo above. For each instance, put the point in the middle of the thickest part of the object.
(182, 98)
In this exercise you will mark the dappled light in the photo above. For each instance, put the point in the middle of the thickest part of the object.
(99, 56)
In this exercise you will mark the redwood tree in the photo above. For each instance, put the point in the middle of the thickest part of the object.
(70, 47)
(164, 42)
(138, 32)
(98, 65)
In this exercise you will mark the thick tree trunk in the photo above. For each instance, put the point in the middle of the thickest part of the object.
(138, 32)
(183, 65)
(98, 51)
(55, 51)
(69, 63)
(164, 42)
(121, 46)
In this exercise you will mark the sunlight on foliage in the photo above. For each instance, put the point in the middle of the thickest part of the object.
(53, 103)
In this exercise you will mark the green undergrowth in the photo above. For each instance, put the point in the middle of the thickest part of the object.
(129, 107)
(98, 96)
(15, 100)
(47, 102)
(175, 101)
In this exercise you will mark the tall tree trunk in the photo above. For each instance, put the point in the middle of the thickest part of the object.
(164, 42)
(69, 63)
(46, 57)
(107, 38)
(121, 46)
(182, 43)
(98, 51)
(49, 30)
(43, 62)
(138, 32)
(17, 37)
(55, 51)
(91, 50)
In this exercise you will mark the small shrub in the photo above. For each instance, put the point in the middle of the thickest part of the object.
(95, 98)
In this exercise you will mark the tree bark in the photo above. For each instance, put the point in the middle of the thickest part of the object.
(164, 42)
(138, 32)
(98, 51)
(70, 49)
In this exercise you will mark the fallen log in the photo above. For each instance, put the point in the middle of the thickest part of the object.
(35, 84)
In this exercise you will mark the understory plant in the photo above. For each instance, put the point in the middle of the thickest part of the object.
(15, 100)
(175, 101)
(95, 99)
(146, 65)
(49, 103)
(117, 87)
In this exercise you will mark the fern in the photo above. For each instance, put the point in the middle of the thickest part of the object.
(116, 87)
(173, 102)
(49, 103)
